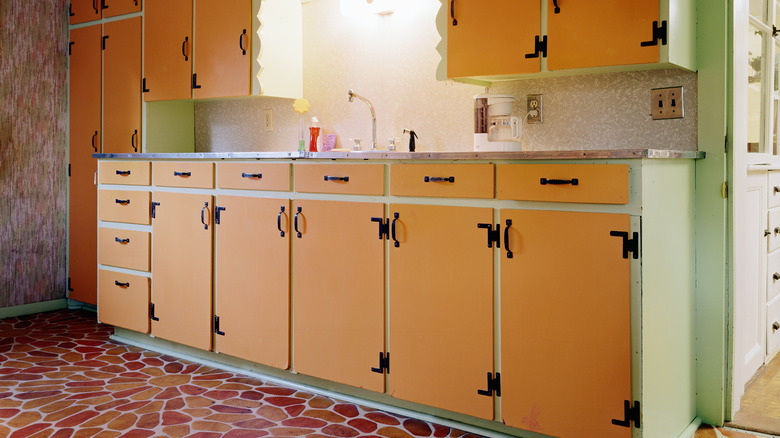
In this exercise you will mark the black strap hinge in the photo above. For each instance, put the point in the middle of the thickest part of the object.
(143, 86)
(384, 363)
(492, 235)
(195, 85)
(493, 384)
(629, 245)
(70, 47)
(68, 169)
(151, 312)
(659, 33)
(103, 44)
(629, 414)
(384, 227)
(216, 326)
(217, 210)
(540, 47)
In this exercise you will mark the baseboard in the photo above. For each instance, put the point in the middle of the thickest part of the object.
(690, 431)
(32, 308)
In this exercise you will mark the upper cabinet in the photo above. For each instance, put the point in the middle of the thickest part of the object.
(501, 39)
(168, 54)
(88, 10)
(122, 86)
(112, 8)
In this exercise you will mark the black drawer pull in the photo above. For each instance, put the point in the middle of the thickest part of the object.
(559, 182)
(123, 201)
(123, 172)
(241, 42)
(122, 240)
(440, 179)
(251, 175)
(175, 173)
(121, 284)
(337, 178)
(184, 48)
(133, 136)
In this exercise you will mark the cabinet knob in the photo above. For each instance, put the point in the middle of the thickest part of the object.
(775, 326)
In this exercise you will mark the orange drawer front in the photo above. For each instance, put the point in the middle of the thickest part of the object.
(347, 179)
(124, 206)
(586, 183)
(183, 174)
(124, 248)
(134, 173)
(123, 300)
(254, 176)
(442, 180)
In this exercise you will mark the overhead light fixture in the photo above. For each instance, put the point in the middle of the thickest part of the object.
(367, 7)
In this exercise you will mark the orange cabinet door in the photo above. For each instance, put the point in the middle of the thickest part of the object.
(124, 300)
(85, 86)
(168, 54)
(221, 49)
(82, 11)
(338, 284)
(441, 307)
(595, 33)
(112, 8)
(491, 37)
(181, 268)
(122, 86)
(83, 230)
(252, 294)
(565, 323)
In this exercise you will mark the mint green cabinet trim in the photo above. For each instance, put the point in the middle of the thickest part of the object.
(32, 308)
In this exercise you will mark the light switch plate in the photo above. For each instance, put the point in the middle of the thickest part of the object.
(667, 103)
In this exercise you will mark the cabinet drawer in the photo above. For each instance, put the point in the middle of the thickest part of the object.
(123, 300)
(183, 174)
(124, 248)
(347, 179)
(773, 191)
(442, 180)
(133, 173)
(772, 321)
(773, 226)
(254, 176)
(124, 206)
(588, 183)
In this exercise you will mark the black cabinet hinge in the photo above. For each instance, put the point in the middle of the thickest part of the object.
(103, 44)
(630, 414)
(629, 245)
(70, 289)
(70, 47)
(195, 85)
(216, 326)
(540, 47)
(143, 86)
(775, 30)
(151, 312)
(68, 169)
(154, 209)
(659, 33)
(70, 10)
(384, 363)
(492, 235)
(216, 214)
(493, 384)
(384, 227)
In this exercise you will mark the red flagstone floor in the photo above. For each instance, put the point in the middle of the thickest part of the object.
(61, 376)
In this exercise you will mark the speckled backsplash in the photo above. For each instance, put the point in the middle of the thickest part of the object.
(33, 150)
(392, 61)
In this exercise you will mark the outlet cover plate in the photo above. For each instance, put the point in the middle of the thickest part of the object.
(667, 103)
(534, 102)
(268, 120)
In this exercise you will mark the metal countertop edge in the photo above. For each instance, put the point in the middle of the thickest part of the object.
(384, 155)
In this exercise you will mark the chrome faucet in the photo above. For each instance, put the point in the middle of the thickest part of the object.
(351, 97)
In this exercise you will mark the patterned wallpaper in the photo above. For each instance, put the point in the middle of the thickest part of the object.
(392, 61)
(33, 150)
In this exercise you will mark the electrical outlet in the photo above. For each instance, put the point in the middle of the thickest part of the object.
(268, 120)
(667, 103)
(534, 108)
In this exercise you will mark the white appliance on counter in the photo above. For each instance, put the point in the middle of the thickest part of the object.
(495, 128)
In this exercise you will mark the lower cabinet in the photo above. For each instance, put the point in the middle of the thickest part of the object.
(252, 285)
(82, 231)
(338, 299)
(441, 307)
(181, 268)
(565, 322)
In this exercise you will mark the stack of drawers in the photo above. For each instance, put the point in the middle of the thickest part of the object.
(773, 266)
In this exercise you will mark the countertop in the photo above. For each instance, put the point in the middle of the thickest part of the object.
(385, 155)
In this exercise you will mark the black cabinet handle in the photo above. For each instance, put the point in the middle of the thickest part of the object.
(133, 140)
(776, 276)
(123, 172)
(558, 182)
(122, 240)
(184, 48)
(175, 173)
(216, 213)
(557, 8)
(203, 214)
(121, 284)
(251, 175)
(95, 5)
(123, 201)
(439, 179)
(336, 178)
(396, 243)
(452, 13)
(295, 222)
(94, 136)
(279, 221)
(241, 42)
(509, 254)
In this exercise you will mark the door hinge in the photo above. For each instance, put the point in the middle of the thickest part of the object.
(151, 312)
(143, 86)
(384, 227)
(493, 384)
(216, 326)
(492, 235)
(384, 363)
(629, 245)
(70, 289)
(724, 189)
(726, 144)
(195, 85)
(540, 48)
(154, 209)
(68, 169)
(659, 33)
(103, 45)
(70, 47)
(629, 414)
(216, 214)
(70, 10)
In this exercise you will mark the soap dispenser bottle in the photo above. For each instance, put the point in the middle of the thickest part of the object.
(314, 134)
